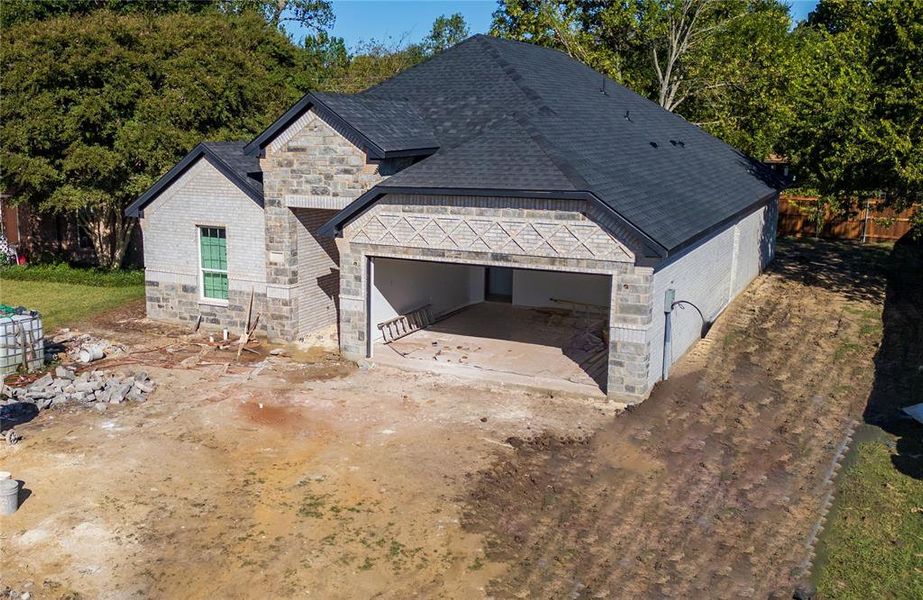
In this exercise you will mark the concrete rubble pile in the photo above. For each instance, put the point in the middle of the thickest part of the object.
(83, 347)
(93, 387)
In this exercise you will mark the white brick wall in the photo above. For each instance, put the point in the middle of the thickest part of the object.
(203, 196)
(318, 272)
(709, 275)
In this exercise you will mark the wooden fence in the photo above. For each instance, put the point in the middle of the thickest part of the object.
(863, 221)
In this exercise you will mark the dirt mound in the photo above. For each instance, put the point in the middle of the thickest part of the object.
(711, 486)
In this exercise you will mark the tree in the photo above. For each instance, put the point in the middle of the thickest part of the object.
(375, 60)
(856, 129)
(445, 33)
(95, 108)
(721, 64)
(315, 15)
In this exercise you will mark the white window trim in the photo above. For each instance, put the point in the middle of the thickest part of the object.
(203, 299)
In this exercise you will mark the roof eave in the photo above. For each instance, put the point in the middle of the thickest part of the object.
(332, 227)
(136, 208)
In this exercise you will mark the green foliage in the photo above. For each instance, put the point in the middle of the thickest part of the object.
(64, 273)
(722, 65)
(315, 15)
(96, 108)
(375, 61)
(14, 12)
(371, 63)
(445, 33)
(856, 128)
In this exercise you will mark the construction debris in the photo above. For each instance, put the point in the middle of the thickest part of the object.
(81, 347)
(65, 386)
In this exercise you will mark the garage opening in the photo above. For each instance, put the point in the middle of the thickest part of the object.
(547, 329)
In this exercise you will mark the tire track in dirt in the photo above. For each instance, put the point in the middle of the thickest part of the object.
(710, 487)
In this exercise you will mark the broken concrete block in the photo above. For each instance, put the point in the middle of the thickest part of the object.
(43, 381)
(100, 406)
(145, 387)
(118, 394)
(64, 373)
(85, 386)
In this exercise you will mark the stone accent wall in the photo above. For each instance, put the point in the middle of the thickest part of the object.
(203, 196)
(181, 303)
(630, 313)
(310, 159)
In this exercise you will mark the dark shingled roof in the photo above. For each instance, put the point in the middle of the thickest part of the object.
(392, 125)
(504, 157)
(228, 157)
(246, 166)
(514, 116)
(492, 116)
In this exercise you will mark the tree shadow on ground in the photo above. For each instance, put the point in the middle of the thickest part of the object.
(844, 267)
(892, 277)
(899, 360)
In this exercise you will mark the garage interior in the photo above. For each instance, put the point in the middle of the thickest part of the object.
(546, 329)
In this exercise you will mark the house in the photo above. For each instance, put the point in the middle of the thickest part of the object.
(36, 236)
(498, 177)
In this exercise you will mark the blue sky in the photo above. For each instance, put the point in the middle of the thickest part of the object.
(410, 20)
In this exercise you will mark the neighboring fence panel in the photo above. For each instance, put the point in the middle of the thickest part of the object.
(864, 222)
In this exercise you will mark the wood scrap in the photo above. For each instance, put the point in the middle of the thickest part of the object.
(245, 337)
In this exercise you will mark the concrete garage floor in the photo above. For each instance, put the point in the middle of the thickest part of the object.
(546, 349)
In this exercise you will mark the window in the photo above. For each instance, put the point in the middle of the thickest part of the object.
(213, 249)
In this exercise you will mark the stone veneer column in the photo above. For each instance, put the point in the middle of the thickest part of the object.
(630, 316)
(281, 267)
(353, 298)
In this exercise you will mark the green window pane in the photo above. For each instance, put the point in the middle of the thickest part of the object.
(213, 247)
(215, 285)
(214, 252)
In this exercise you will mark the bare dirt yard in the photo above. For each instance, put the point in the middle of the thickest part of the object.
(303, 476)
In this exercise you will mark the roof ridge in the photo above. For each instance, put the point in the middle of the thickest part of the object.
(525, 123)
(419, 64)
(512, 74)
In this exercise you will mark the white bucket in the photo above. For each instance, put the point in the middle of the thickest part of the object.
(9, 496)
(6, 475)
(91, 353)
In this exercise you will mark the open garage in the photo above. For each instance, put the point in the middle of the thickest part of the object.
(545, 328)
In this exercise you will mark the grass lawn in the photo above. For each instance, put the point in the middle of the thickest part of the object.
(65, 304)
(873, 546)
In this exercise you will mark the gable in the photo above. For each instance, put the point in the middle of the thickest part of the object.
(200, 182)
(312, 164)
(227, 157)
